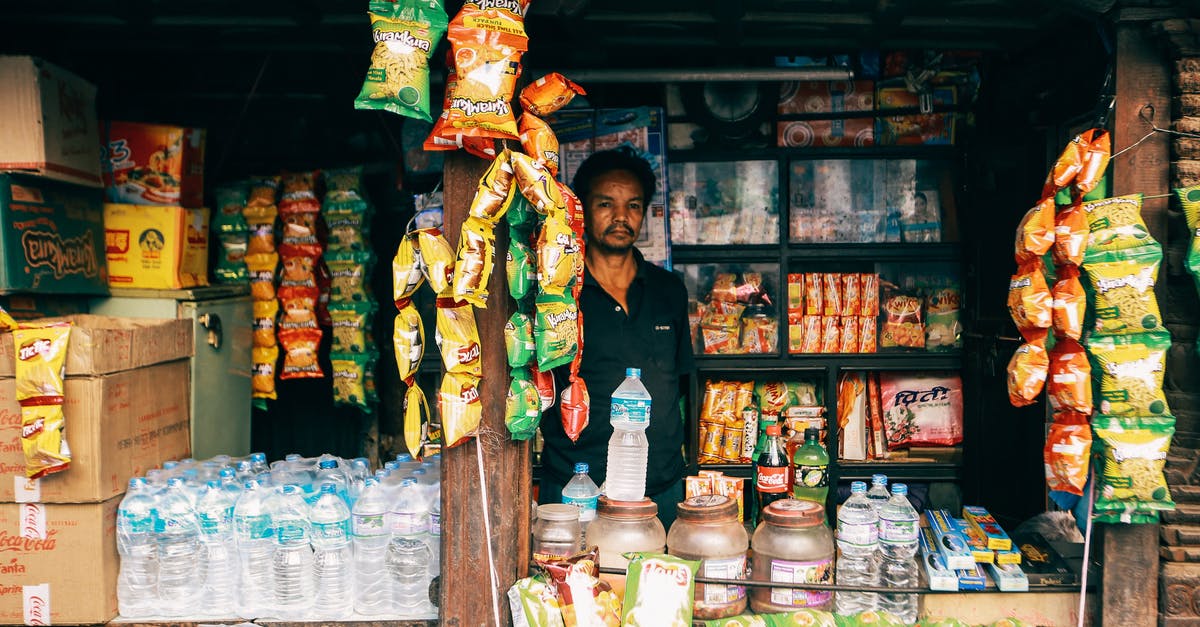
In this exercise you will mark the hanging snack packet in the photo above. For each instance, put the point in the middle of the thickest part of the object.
(1130, 473)
(262, 275)
(555, 334)
(1189, 199)
(408, 341)
(231, 258)
(457, 337)
(1035, 234)
(536, 183)
(437, 259)
(518, 340)
(262, 371)
(351, 327)
(1067, 453)
(495, 191)
(41, 358)
(473, 266)
(522, 217)
(349, 380)
(660, 590)
(1070, 380)
(343, 191)
(1130, 372)
(522, 407)
(546, 387)
(1069, 303)
(539, 141)
(459, 406)
(300, 357)
(1027, 371)
(405, 35)
(265, 312)
(1068, 165)
(348, 232)
(298, 273)
(558, 254)
(261, 198)
(533, 601)
(549, 94)
(299, 234)
(1116, 223)
(349, 274)
(416, 420)
(1029, 300)
(407, 274)
(942, 327)
(299, 307)
(231, 200)
(298, 193)
(519, 268)
(1094, 161)
(1122, 283)
(574, 408)
(261, 237)
(586, 600)
(232, 232)
(444, 136)
(488, 40)
(1070, 236)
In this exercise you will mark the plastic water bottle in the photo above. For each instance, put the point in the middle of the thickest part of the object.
(293, 563)
(583, 493)
(878, 494)
(408, 554)
(332, 555)
(372, 592)
(329, 472)
(178, 532)
(258, 463)
(256, 551)
(858, 542)
(214, 510)
(138, 576)
(898, 539)
(628, 447)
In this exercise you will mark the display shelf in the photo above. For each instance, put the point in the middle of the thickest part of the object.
(813, 152)
(731, 469)
(822, 361)
(898, 471)
(799, 252)
(690, 254)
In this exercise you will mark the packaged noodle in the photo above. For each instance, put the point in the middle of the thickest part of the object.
(1070, 378)
(473, 266)
(416, 419)
(301, 350)
(539, 141)
(41, 358)
(408, 341)
(1067, 453)
(264, 312)
(437, 259)
(549, 94)
(495, 191)
(1035, 234)
(459, 406)
(518, 340)
(457, 337)
(536, 183)
(1116, 223)
(407, 273)
(1130, 372)
(1069, 303)
(1094, 161)
(558, 254)
(533, 601)
(555, 334)
(349, 275)
(262, 371)
(1070, 236)
(349, 379)
(660, 590)
(1130, 474)
(522, 407)
(1029, 300)
(586, 600)
(519, 268)
(351, 327)
(1027, 372)
(405, 35)
(1122, 283)
(903, 325)
(262, 275)
(343, 192)
(488, 39)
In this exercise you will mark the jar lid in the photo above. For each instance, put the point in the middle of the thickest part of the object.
(707, 508)
(557, 511)
(794, 513)
(644, 508)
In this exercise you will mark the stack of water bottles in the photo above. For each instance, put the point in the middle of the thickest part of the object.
(302, 538)
(877, 539)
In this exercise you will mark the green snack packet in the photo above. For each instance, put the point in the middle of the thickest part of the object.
(231, 199)
(519, 268)
(878, 618)
(522, 217)
(349, 276)
(556, 335)
(1128, 371)
(349, 379)
(742, 620)
(348, 232)
(343, 191)
(231, 257)
(1189, 199)
(1121, 284)
(522, 406)
(659, 590)
(405, 34)
(802, 618)
(351, 326)
(534, 602)
(518, 340)
(1129, 469)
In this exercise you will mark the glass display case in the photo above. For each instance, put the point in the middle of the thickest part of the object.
(724, 202)
(732, 308)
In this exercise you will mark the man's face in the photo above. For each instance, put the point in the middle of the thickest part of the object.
(613, 211)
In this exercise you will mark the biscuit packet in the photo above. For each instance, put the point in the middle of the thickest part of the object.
(408, 341)
(659, 590)
(522, 407)
(350, 379)
(549, 94)
(459, 407)
(555, 334)
(405, 35)
(262, 371)
(40, 368)
(488, 39)
(416, 420)
(457, 337)
(473, 263)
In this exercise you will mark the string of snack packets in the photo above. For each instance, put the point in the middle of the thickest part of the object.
(40, 369)
(1116, 316)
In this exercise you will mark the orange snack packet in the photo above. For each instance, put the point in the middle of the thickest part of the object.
(1070, 378)
(1067, 454)
(1029, 300)
(868, 287)
(444, 136)
(1068, 165)
(813, 330)
(1027, 373)
(549, 94)
(851, 294)
(539, 141)
(488, 44)
(1069, 303)
(850, 340)
(1070, 235)
(1035, 234)
(495, 193)
(301, 353)
(262, 371)
(814, 294)
(1095, 161)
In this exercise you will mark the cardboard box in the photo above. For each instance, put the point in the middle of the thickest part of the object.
(971, 578)
(60, 563)
(51, 237)
(103, 345)
(1009, 577)
(983, 522)
(118, 426)
(1040, 562)
(48, 122)
(951, 543)
(850, 132)
(939, 575)
(806, 97)
(156, 247)
(153, 164)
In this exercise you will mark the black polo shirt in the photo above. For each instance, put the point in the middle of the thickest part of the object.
(653, 335)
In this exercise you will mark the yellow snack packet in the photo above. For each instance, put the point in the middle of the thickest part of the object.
(459, 407)
(495, 192)
(437, 259)
(416, 420)
(558, 254)
(473, 267)
(262, 275)
(42, 440)
(457, 337)
(41, 362)
(536, 183)
(262, 371)
(406, 270)
(265, 312)
(408, 340)
(7, 321)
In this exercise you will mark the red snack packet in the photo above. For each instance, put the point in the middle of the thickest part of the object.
(444, 136)
(544, 382)
(488, 44)
(574, 408)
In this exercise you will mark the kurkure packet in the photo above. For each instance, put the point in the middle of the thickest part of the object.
(488, 38)
(1130, 470)
(1189, 199)
(659, 590)
(1129, 369)
(405, 34)
(41, 353)
(1122, 286)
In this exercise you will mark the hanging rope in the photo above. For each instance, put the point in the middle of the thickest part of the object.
(1087, 550)
(487, 531)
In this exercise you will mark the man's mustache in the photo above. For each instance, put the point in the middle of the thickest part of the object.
(618, 227)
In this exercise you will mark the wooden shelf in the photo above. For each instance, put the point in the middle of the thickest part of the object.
(831, 361)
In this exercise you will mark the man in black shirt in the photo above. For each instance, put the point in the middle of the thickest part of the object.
(634, 316)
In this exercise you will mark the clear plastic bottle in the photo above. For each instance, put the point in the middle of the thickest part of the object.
(178, 533)
(329, 472)
(258, 463)
(810, 469)
(858, 543)
(878, 494)
(372, 592)
(138, 577)
(293, 563)
(583, 493)
(214, 510)
(332, 554)
(898, 540)
(408, 553)
(628, 447)
(255, 533)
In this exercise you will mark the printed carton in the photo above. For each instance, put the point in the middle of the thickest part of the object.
(156, 247)
(51, 237)
(153, 164)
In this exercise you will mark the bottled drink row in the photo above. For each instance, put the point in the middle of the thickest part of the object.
(300, 538)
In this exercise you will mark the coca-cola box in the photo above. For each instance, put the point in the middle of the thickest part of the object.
(58, 563)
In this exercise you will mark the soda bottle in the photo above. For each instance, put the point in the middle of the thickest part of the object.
(810, 477)
(771, 471)
(628, 447)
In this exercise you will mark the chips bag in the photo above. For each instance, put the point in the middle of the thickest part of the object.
(1035, 234)
(1068, 304)
(405, 34)
(1029, 300)
(659, 590)
(1068, 165)
(457, 337)
(416, 419)
(352, 327)
(586, 600)
(558, 254)
(262, 371)
(444, 136)
(473, 267)
(301, 353)
(40, 368)
(7, 322)
(231, 258)
(299, 311)
(1070, 378)
(522, 217)
(533, 601)
(231, 200)
(298, 193)
(573, 407)
(298, 272)
(262, 275)
(904, 325)
(519, 268)
(549, 94)
(349, 379)
(488, 40)
(1116, 223)
(1070, 236)
(1094, 161)
(1189, 200)
(555, 334)
(459, 407)
(536, 183)
(437, 259)
(1122, 283)
(546, 387)
(496, 191)
(1067, 453)
(408, 340)
(260, 199)
(1130, 372)
(350, 274)
(1129, 472)
(518, 340)
(407, 274)
(539, 141)
(264, 312)
(344, 191)
(522, 407)
(1027, 371)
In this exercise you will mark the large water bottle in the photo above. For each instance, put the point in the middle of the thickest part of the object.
(628, 447)
(408, 554)
(214, 510)
(878, 494)
(178, 532)
(330, 472)
(372, 590)
(332, 555)
(245, 470)
(137, 580)
(258, 463)
(256, 551)
(898, 539)
(858, 542)
(293, 563)
(583, 493)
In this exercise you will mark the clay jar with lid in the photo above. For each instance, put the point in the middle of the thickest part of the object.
(794, 545)
(624, 527)
(707, 529)
(556, 531)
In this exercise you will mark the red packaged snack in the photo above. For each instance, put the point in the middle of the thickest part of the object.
(814, 291)
(1035, 234)
(544, 382)
(444, 136)
(300, 357)
(868, 287)
(850, 341)
(549, 94)
(832, 294)
(539, 141)
(574, 408)
(1070, 236)
(1027, 373)
(831, 334)
(867, 334)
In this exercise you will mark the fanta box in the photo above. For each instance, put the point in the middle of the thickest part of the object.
(153, 164)
(156, 247)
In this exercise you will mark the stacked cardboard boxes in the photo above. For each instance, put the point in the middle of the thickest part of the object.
(127, 391)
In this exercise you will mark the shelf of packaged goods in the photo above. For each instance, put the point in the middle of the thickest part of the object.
(798, 253)
(731, 469)
(694, 254)
(823, 361)
(898, 471)
(822, 152)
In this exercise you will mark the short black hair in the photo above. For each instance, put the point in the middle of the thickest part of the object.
(605, 161)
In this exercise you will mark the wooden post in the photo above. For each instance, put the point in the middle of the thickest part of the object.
(1129, 586)
(466, 589)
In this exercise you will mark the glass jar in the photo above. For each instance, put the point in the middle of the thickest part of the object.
(625, 527)
(707, 529)
(792, 544)
(556, 531)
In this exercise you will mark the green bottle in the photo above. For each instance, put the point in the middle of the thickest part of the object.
(810, 469)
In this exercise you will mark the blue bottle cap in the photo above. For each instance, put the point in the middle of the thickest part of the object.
(328, 488)
(174, 482)
(258, 457)
(581, 467)
(899, 488)
(327, 464)
(858, 487)
(878, 479)
(633, 372)
(408, 481)
(370, 481)
(214, 485)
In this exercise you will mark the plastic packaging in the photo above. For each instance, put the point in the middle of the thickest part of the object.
(628, 447)
(138, 575)
(858, 542)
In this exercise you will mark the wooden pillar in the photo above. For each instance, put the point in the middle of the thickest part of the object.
(1129, 586)
(466, 590)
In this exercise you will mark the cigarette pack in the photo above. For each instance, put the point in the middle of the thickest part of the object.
(1009, 577)
(951, 543)
(971, 578)
(980, 519)
(977, 543)
(940, 576)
